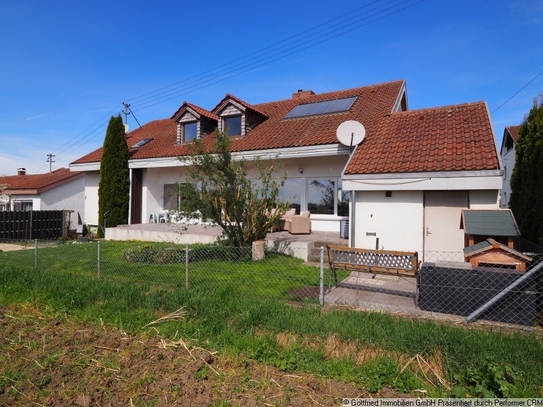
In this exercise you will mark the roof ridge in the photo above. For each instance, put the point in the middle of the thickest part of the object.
(318, 95)
(438, 108)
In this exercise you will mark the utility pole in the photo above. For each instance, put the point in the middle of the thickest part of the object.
(126, 112)
(50, 161)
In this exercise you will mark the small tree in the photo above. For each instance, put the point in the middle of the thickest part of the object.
(218, 187)
(526, 181)
(114, 186)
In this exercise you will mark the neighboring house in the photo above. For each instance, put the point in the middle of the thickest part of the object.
(402, 188)
(507, 152)
(58, 190)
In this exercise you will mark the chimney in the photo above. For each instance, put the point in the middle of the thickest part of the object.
(302, 94)
(21, 171)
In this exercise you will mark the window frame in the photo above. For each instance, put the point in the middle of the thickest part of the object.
(227, 119)
(184, 126)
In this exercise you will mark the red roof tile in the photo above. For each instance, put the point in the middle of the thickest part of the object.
(373, 102)
(36, 183)
(453, 138)
(513, 132)
(229, 98)
(439, 139)
(197, 109)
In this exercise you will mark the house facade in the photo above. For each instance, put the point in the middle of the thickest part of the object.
(411, 167)
(61, 189)
(507, 152)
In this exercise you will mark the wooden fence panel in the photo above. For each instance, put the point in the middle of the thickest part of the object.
(27, 225)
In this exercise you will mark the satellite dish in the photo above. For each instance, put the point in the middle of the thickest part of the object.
(350, 133)
(4, 199)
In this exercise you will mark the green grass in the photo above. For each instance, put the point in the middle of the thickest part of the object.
(274, 277)
(232, 307)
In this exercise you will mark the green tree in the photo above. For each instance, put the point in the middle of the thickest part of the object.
(219, 188)
(114, 186)
(526, 181)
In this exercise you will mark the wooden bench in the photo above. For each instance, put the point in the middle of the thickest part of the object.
(372, 261)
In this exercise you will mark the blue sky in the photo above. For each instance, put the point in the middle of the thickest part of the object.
(67, 66)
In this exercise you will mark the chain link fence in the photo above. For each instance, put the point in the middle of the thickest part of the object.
(508, 293)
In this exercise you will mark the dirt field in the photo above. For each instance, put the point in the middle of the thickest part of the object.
(47, 360)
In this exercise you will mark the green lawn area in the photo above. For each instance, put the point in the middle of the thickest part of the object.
(163, 266)
(235, 305)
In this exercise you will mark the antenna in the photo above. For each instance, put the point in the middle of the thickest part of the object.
(350, 133)
(50, 161)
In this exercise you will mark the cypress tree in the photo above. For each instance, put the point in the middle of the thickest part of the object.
(114, 186)
(527, 180)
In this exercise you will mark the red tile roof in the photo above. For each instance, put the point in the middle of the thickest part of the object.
(452, 138)
(373, 102)
(217, 109)
(440, 139)
(197, 109)
(37, 183)
(513, 132)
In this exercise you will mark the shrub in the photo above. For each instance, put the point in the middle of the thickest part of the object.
(150, 254)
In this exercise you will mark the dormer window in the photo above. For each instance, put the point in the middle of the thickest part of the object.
(190, 131)
(232, 125)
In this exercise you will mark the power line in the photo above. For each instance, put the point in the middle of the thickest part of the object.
(274, 52)
(520, 90)
(330, 29)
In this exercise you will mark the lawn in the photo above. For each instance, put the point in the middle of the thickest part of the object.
(164, 266)
(237, 307)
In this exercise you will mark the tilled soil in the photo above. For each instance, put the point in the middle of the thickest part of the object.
(50, 361)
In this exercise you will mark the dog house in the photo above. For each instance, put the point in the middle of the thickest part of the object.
(490, 253)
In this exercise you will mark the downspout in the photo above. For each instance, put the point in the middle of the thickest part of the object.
(352, 221)
(503, 293)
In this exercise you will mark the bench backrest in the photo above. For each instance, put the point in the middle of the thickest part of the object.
(373, 261)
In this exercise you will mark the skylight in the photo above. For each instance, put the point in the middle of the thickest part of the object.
(141, 143)
(325, 107)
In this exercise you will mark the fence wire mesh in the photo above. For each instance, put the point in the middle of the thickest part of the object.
(495, 293)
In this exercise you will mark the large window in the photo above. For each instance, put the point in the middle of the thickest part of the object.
(291, 192)
(321, 196)
(232, 125)
(343, 198)
(172, 197)
(326, 197)
(190, 131)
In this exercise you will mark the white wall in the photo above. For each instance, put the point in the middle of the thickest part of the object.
(397, 220)
(486, 199)
(70, 196)
(508, 161)
(329, 166)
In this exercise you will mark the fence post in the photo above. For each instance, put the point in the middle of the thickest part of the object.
(187, 266)
(99, 261)
(321, 297)
(35, 254)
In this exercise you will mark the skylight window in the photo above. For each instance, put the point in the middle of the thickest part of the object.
(325, 107)
(141, 143)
